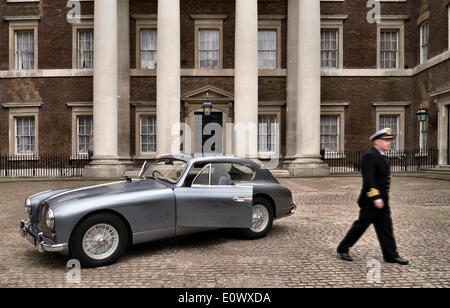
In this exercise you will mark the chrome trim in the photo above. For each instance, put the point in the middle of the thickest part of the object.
(41, 245)
(242, 199)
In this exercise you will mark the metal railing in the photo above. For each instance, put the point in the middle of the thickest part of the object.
(43, 165)
(400, 161)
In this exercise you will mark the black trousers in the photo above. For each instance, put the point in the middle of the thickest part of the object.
(382, 222)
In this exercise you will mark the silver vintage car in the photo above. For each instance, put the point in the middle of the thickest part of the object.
(173, 196)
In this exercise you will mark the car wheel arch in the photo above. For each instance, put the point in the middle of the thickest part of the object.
(106, 211)
(269, 199)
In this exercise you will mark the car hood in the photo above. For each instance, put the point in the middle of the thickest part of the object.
(122, 187)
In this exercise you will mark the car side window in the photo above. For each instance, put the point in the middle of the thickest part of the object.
(223, 174)
(203, 177)
(239, 173)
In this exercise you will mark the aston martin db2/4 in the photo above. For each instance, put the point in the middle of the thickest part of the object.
(173, 196)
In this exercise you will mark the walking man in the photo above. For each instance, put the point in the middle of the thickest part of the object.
(374, 201)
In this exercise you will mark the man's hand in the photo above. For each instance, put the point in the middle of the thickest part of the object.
(379, 204)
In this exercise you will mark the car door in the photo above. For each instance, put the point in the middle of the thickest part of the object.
(214, 206)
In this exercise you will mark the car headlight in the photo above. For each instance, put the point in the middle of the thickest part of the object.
(28, 206)
(50, 221)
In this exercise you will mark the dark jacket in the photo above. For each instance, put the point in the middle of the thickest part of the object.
(376, 175)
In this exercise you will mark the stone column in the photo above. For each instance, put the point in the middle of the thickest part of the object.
(307, 159)
(105, 160)
(291, 109)
(168, 78)
(246, 79)
(124, 80)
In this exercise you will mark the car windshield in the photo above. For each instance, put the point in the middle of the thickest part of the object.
(167, 169)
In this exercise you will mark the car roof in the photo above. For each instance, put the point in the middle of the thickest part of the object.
(200, 159)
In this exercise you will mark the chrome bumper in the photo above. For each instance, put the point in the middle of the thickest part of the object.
(38, 241)
(290, 213)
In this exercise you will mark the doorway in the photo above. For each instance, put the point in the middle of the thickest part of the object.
(208, 133)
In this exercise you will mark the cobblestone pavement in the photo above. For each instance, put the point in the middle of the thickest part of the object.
(298, 252)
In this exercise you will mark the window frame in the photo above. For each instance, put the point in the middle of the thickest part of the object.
(145, 24)
(269, 23)
(140, 133)
(80, 109)
(14, 26)
(207, 22)
(393, 109)
(337, 134)
(78, 132)
(397, 52)
(424, 45)
(143, 110)
(392, 25)
(208, 50)
(83, 25)
(336, 109)
(23, 112)
(271, 111)
(335, 23)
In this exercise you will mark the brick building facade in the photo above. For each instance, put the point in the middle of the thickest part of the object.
(372, 75)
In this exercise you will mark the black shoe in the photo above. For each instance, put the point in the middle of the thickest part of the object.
(345, 256)
(398, 260)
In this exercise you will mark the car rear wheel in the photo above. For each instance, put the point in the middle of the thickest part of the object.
(99, 240)
(262, 219)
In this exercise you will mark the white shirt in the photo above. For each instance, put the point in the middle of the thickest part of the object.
(381, 152)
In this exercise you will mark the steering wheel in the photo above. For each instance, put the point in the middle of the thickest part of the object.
(156, 171)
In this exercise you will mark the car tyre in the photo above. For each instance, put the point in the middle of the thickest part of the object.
(262, 220)
(99, 240)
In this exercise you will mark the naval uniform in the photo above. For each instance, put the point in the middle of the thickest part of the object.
(376, 180)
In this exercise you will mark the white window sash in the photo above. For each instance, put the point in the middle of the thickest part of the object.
(85, 136)
(85, 49)
(389, 49)
(208, 49)
(267, 133)
(147, 134)
(24, 49)
(148, 48)
(25, 135)
(329, 45)
(329, 133)
(267, 49)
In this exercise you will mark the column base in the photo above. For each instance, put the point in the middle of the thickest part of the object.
(105, 169)
(308, 167)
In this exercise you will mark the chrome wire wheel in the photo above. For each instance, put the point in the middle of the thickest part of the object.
(260, 218)
(100, 241)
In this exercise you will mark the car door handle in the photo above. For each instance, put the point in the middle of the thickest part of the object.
(242, 199)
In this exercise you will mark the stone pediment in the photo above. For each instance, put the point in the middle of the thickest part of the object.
(208, 92)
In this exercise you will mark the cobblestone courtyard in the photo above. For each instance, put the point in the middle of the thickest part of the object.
(298, 252)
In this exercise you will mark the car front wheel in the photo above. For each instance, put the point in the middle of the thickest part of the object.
(99, 240)
(262, 219)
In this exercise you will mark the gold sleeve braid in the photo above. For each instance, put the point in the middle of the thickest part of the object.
(373, 192)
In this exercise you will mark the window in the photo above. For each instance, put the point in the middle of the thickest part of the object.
(424, 41)
(148, 48)
(25, 135)
(267, 133)
(267, 49)
(391, 42)
(85, 134)
(24, 50)
(208, 49)
(208, 38)
(392, 122)
(424, 134)
(224, 174)
(85, 49)
(148, 133)
(389, 49)
(329, 133)
(329, 48)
